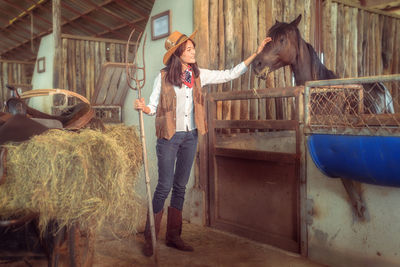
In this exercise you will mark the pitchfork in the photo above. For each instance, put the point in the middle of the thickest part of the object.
(139, 84)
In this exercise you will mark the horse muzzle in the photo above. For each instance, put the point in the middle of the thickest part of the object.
(263, 74)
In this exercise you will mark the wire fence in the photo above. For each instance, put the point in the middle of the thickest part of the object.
(367, 106)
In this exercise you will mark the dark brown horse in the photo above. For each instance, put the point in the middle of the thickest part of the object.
(289, 48)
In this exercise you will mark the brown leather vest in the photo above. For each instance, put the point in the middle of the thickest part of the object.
(166, 110)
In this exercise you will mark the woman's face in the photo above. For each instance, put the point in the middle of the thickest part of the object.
(188, 55)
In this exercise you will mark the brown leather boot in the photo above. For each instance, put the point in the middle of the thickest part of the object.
(174, 230)
(148, 245)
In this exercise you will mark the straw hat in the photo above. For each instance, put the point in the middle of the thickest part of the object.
(172, 43)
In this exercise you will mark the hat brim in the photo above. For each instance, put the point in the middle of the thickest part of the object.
(172, 50)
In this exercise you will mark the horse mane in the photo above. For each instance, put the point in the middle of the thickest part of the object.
(319, 71)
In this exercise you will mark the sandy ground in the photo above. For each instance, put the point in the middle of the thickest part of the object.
(212, 248)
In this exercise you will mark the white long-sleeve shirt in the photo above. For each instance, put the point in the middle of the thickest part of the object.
(184, 95)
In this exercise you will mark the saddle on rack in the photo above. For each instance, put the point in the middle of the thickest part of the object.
(20, 121)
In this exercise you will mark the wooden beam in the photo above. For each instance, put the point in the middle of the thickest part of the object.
(369, 9)
(57, 44)
(256, 124)
(27, 12)
(88, 38)
(84, 15)
(124, 25)
(102, 9)
(16, 61)
(130, 8)
(380, 3)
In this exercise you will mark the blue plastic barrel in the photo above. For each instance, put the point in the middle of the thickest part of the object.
(367, 159)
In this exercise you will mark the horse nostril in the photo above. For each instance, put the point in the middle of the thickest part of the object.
(258, 64)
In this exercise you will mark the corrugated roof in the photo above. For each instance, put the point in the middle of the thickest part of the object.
(24, 22)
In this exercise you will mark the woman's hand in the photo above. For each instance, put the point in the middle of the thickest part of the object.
(139, 104)
(263, 43)
(260, 48)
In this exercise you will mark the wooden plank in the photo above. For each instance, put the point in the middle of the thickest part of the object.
(356, 121)
(257, 124)
(82, 85)
(57, 78)
(97, 62)
(340, 54)
(259, 83)
(6, 94)
(388, 38)
(279, 157)
(221, 46)
(103, 84)
(78, 65)
(123, 88)
(360, 42)
(64, 67)
(367, 34)
(270, 109)
(92, 68)
(308, 19)
(280, 73)
(334, 21)
(354, 42)
(201, 169)
(248, 49)
(112, 52)
(346, 42)
(72, 57)
(261, 93)
(378, 44)
(2, 86)
(229, 52)
(17, 62)
(95, 39)
(202, 38)
(113, 86)
(102, 53)
(213, 38)
(372, 51)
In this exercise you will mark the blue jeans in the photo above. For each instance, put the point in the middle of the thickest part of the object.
(175, 160)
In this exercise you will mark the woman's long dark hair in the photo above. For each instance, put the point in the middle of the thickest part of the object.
(174, 66)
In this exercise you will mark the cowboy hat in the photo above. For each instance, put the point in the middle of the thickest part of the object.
(172, 43)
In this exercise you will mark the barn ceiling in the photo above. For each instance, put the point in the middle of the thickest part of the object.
(24, 22)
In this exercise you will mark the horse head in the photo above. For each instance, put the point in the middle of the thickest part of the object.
(281, 51)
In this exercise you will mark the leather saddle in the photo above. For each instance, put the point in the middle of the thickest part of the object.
(20, 122)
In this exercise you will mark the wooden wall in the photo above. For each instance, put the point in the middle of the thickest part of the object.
(15, 73)
(358, 42)
(82, 58)
(351, 38)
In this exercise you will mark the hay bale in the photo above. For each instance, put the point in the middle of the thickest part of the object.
(86, 177)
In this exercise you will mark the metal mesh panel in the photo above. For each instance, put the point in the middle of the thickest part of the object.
(368, 108)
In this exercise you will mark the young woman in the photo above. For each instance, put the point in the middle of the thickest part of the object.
(177, 101)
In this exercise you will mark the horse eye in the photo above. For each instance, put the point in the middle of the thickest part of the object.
(281, 40)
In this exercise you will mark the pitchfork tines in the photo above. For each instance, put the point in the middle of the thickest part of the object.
(132, 69)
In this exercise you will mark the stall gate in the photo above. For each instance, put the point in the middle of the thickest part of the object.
(254, 170)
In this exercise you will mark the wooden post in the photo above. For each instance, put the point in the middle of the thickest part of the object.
(57, 81)
(202, 39)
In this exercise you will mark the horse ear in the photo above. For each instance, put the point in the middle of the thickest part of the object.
(296, 21)
(276, 21)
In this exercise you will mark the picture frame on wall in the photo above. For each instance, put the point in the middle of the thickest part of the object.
(161, 25)
(41, 64)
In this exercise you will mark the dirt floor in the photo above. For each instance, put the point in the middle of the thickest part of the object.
(212, 248)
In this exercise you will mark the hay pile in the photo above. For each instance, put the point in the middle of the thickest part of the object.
(86, 177)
